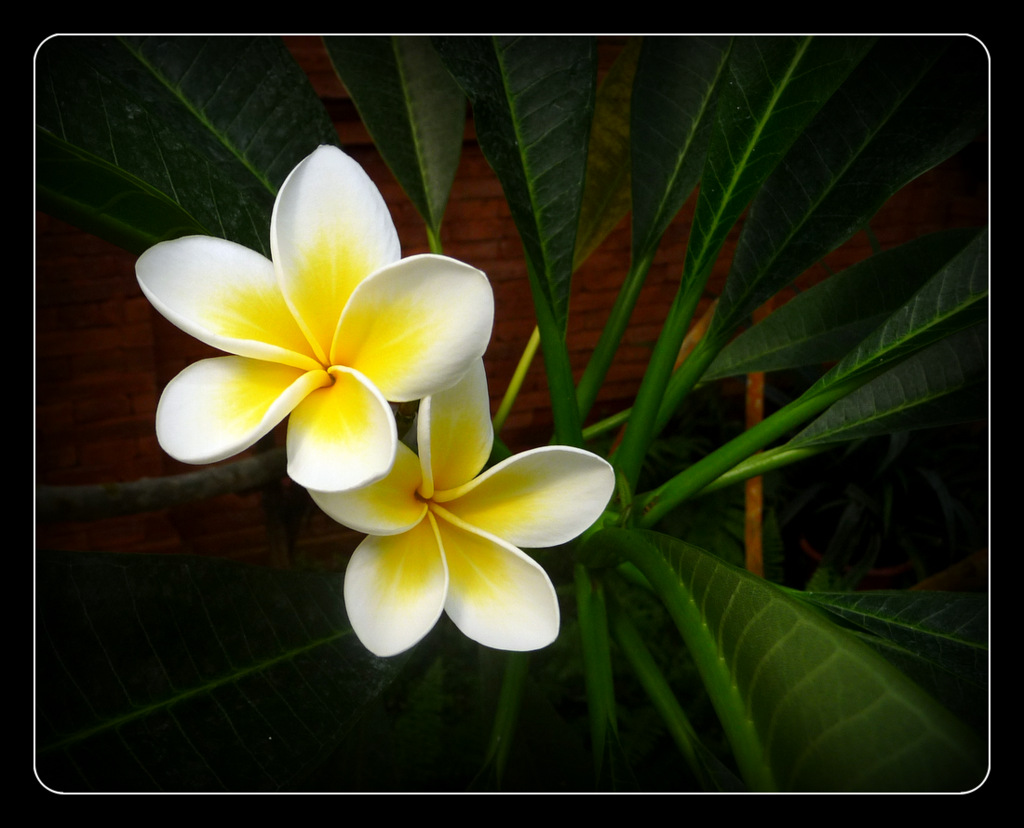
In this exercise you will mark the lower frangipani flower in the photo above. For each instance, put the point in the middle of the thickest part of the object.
(328, 332)
(441, 538)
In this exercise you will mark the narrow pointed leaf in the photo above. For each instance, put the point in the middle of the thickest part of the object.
(212, 124)
(954, 299)
(413, 109)
(533, 100)
(938, 638)
(910, 104)
(943, 384)
(606, 194)
(181, 673)
(823, 323)
(807, 706)
(673, 110)
(104, 199)
(774, 86)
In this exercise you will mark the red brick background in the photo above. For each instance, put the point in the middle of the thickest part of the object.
(103, 355)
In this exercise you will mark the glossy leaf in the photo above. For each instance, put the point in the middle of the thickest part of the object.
(774, 86)
(533, 100)
(673, 110)
(771, 88)
(413, 109)
(211, 124)
(824, 322)
(180, 673)
(954, 299)
(909, 104)
(938, 638)
(941, 385)
(807, 706)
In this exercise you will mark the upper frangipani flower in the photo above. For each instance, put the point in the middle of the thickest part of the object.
(329, 331)
(441, 538)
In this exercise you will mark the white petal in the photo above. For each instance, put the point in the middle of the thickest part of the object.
(224, 295)
(539, 498)
(342, 436)
(330, 230)
(455, 434)
(497, 595)
(387, 507)
(217, 407)
(395, 589)
(415, 327)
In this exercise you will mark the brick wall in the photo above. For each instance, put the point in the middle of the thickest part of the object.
(103, 354)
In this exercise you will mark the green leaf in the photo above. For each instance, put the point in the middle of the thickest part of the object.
(941, 385)
(212, 124)
(182, 673)
(823, 323)
(954, 299)
(533, 101)
(774, 86)
(606, 194)
(670, 114)
(807, 706)
(939, 638)
(673, 110)
(412, 107)
(103, 199)
(910, 104)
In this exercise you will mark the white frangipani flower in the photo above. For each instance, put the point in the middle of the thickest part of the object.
(441, 538)
(333, 328)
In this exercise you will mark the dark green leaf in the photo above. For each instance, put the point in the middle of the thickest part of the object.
(672, 112)
(213, 124)
(807, 705)
(180, 673)
(772, 89)
(823, 323)
(533, 100)
(939, 638)
(954, 299)
(413, 109)
(103, 199)
(911, 103)
(941, 385)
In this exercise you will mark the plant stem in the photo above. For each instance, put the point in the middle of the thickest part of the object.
(611, 335)
(643, 420)
(685, 485)
(566, 414)
(525, 360)
(597, 668)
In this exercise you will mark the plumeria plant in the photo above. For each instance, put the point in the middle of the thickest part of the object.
(554, 619)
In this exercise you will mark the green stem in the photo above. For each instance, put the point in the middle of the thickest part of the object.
(715, 674)
(434, 240)
(685, 485)
(762, 463)
(683, 380)
(656, 687)
(644, 417)
(561, 385)
(516, 382)
(591, 432)
(611, 335)
(597, 667)
(509, 702)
